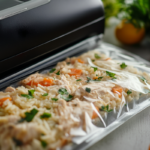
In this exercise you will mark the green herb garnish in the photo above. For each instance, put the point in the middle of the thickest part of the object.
(45, 94)
(58, 73)
(63, 91)
(87, 89)
(29, 95)
(98, 79)
(97, 56)
(69, 98)
(44, 144)
(52, 70)
(106, 108)
(78, 80)
(110, 74)
(113, 78)
(123, 65)
(68, 63)
(45, 115)
(54, 99)
(93, 60)
(143, 79)
(88, 79)
(30, 115)
(129, 92)
(94, 68)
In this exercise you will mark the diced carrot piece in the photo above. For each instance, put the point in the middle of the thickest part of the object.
(64, 142)
(44, 82)
(80, 61)
(108, 59)
(95, 78)
(117, 90)
(2, 100)
(75, 72)
(95, 115)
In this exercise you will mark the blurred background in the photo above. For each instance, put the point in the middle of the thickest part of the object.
(128, 25)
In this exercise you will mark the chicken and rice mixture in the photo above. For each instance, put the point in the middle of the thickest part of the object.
(40, 113)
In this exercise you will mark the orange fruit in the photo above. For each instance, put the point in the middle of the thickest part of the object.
(127, 33)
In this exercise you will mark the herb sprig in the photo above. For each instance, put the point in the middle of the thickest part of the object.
(123, 65)
(29, 95)
(106, 108)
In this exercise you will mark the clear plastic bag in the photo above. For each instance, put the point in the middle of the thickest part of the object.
(117, 94)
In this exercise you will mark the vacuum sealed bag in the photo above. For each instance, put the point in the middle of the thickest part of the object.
(75, 99)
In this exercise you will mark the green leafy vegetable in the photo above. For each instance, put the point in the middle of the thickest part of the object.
(52, 70)
(87, 89)
(78, 80)
(93, 60)
(62, 91)
(45, 94)
(110, 74)
(58, 73)
(44, 144)
(54, 99)
(29, 95)
(123, 65)
(129, 92)
(69, 98)
(45, 115)
(97, 56)
(94, 68)
(30, 115)
(106, 108)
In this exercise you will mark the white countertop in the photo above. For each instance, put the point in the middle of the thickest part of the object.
(135, 133)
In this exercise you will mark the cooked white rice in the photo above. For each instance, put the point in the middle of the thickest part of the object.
(64, 95)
